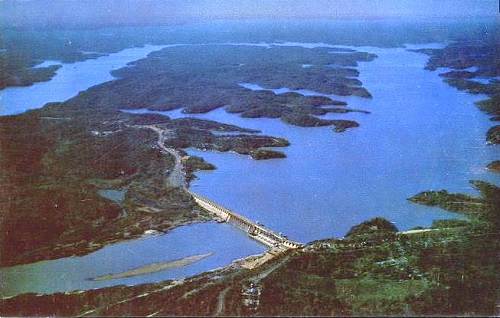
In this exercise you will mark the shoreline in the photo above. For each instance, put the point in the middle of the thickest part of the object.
(155, 267)
(93, 247)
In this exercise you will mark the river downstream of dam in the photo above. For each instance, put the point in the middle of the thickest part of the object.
(421, 134)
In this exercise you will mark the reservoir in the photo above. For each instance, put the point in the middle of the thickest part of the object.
(70, 79)
(421, 135)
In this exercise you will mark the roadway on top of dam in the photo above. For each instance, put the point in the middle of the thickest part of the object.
(274, 241)
(176, 177)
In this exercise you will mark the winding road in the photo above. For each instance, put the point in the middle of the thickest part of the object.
(176, 177)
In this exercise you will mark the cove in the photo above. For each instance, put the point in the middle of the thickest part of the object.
(421, 135)
(70, 79)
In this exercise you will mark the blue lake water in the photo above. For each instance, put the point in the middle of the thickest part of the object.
(421, 134)
(113, 195)
(486, 80)
(68, 81)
